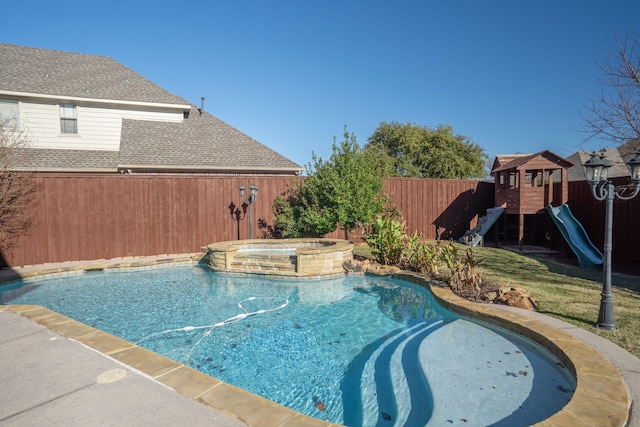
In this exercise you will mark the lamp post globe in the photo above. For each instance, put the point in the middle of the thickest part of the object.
(634, 165)
(597, 168)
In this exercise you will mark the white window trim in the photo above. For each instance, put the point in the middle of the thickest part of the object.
(64, 110)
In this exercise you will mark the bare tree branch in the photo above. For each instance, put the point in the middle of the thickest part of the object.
(614, 113)
(17, 186)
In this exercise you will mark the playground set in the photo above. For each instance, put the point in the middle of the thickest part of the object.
(531, 193)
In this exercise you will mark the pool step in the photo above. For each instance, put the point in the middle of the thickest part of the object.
(268, 262)
(389, 368)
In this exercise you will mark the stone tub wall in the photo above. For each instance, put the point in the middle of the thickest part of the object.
(313, 257)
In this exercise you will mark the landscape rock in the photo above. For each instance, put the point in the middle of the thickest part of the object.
(382, 270)
(514, 296)
(370, 267)
(355, 266)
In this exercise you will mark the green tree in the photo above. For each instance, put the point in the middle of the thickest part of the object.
(418, 151)
(344, 191)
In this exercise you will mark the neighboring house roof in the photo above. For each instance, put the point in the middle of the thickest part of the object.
(578, 173)
(630, 149)
(518, 161)
(200, 143)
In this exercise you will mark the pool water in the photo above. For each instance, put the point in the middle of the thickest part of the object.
(356, 350)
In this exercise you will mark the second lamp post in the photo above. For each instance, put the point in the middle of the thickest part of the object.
(253, 195)
(597, 168)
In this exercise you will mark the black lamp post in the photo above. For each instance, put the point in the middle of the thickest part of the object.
(253, 195)
(597, 168)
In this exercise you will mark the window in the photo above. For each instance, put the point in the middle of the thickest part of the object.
(514, 180)
(536, 178)
(9, 114)
(68, 118)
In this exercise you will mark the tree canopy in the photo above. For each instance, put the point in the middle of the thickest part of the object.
(345, 190)
(418, 151)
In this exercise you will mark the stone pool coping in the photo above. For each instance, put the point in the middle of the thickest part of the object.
(601, 397)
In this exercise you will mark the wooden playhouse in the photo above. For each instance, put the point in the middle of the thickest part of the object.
(524, 185)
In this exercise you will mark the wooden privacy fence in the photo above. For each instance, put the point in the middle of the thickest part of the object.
(86, 217)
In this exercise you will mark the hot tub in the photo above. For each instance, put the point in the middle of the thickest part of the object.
(282, 257)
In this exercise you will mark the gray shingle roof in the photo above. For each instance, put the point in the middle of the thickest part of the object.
(201, 142)
(65, 160)
(630, 149)
(56, 73)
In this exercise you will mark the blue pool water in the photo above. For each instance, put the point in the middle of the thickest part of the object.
(357, 350)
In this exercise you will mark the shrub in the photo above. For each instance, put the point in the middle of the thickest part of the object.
(466, 280)
(423, 257)
(450, 257)
(390, 245)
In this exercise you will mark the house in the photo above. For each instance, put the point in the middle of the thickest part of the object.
(87, 113)
(617, 156)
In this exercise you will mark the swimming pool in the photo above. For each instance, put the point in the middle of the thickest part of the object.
(351, 350)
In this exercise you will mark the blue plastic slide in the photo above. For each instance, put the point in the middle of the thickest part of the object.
(573, 232)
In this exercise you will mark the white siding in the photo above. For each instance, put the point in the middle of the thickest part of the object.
(99, 127)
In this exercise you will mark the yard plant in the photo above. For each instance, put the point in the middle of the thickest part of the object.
(391, 245)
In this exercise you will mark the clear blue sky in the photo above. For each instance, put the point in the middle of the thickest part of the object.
(513, 75)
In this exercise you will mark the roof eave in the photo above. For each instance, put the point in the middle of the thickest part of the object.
(212, 169)
(67, 170)
(183, 107)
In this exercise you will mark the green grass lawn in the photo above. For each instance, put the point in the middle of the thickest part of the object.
(567, 292)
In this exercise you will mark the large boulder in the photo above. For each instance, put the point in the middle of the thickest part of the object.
(514, 296)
